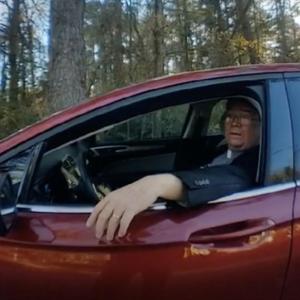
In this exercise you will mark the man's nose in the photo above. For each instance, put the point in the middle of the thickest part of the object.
(236, 120)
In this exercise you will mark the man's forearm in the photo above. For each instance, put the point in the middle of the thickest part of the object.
(166, 186)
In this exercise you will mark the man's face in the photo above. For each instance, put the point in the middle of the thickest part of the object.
(242, 126)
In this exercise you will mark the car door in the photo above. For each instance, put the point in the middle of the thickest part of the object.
(291, 286)
(235, 248)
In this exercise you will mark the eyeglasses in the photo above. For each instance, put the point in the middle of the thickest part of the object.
(243, 118)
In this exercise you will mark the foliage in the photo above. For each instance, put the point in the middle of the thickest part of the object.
(130, 41)
(16, 117)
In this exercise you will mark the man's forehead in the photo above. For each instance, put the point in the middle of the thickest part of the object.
(242, 106)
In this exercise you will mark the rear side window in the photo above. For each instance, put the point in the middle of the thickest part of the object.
(215, 125)
(166, 123)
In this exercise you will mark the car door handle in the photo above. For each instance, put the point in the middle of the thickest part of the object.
(231, 231)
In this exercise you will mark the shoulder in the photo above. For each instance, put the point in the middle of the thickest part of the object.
(250, 154)
(248, 161)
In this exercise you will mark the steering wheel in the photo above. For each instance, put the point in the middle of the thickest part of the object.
(79, 180)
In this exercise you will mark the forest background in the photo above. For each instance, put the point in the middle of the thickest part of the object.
(54, 54)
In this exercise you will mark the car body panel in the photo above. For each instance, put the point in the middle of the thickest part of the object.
(291, 289)
(159, 252)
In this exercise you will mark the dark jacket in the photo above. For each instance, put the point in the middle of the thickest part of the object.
(208, 183)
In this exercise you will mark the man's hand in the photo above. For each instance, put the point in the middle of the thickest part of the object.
(119, 207)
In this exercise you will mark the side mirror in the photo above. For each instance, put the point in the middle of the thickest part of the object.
(7, 202)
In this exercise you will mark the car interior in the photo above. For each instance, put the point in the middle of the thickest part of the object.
(81, 163)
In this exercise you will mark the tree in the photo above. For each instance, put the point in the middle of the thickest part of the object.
(219, 25)
(66, 79)
(129, 41)
(13, 50)
(158, 38)
(282, 31)
(244, 24)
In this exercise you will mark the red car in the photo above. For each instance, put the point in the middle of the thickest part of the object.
(242, 246)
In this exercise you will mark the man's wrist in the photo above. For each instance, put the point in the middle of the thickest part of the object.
(168, 186)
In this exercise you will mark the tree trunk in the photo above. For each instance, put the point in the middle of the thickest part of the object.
(130, 44)
(119, 76)
(281, 24)
(13, 51)
(243, 21)
(22, 67)
(66, 79)
(219, 54)
(184, 33)
(31, 55)
(158, 39)
(185, 38)
(3, 77)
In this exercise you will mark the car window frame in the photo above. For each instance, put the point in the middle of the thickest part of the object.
(242, 79)
(34, 153)
(290, 78)
(126, 102)
(278, 151)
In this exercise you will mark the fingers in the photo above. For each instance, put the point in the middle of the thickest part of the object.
(112, 225)
(110, 221)
(121, 220)
(125, 222)
(107, 218)
(91, 221)
(103, 219)
(117, 210)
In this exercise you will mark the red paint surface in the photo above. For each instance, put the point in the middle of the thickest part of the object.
(291, 291)
(51, 256)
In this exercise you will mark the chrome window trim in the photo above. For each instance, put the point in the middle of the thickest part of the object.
(298, 183)
(157, 206)
(7, 211)
(256, 192)
(60, 209)
(83, 209)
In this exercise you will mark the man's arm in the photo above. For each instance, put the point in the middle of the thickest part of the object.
(119, 207)
(188, 188)
(206, 184)
(209, 183)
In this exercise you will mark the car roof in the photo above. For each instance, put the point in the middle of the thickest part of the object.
(118, 94)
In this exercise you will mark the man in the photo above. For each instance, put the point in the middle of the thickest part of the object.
(231, 171)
